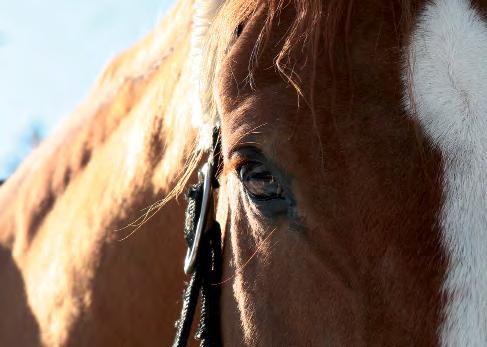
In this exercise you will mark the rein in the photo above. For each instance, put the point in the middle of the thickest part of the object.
(203, 258)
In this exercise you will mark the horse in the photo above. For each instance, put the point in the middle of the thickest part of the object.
(351, 196)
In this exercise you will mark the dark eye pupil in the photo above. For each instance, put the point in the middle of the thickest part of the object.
(259, 182)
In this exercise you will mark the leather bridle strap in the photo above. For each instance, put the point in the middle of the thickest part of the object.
(203, 259)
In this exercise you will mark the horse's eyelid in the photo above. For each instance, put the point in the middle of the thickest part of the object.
(242, 154)
(236, 162)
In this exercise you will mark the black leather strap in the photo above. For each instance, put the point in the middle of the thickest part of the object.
(206, 275)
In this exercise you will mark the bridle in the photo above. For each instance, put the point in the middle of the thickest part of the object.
(203, 258)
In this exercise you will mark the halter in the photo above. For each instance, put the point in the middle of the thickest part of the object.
(203, 257)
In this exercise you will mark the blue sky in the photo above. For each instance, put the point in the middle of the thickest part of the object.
(51, 53)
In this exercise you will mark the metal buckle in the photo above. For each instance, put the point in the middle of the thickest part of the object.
(205, 175)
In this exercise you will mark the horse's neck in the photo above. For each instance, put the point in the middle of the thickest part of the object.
(61, 210)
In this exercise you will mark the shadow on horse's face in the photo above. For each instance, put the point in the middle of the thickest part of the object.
(331, 217)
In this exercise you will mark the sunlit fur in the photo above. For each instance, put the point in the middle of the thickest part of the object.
(365, 260)
(123, 150)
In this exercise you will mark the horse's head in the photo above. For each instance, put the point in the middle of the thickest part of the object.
(352, 198)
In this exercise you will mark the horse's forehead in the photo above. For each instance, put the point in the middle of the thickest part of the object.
(235, 82)
(250, 103)
(246, 100)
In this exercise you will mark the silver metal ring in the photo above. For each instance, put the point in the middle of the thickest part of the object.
(204, 174)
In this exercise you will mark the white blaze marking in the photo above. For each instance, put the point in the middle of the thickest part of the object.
(448, 74)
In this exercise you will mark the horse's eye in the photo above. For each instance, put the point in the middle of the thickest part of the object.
(238, 30)
(259, 182)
